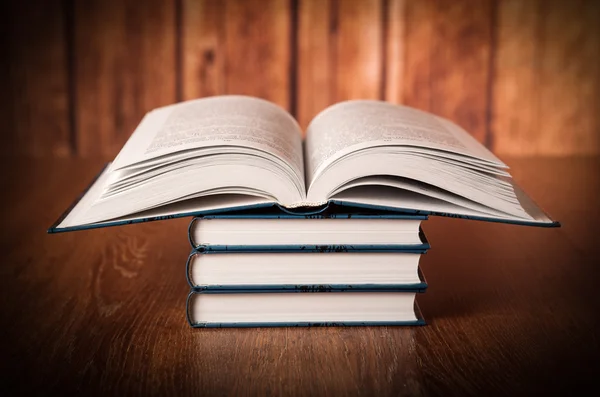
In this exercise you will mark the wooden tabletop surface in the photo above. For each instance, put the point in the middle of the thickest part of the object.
(511, 310)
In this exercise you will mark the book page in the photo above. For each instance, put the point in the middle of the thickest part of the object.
(215, 122)
(354, 125)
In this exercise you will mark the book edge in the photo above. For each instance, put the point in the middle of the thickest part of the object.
(344, 211)
(54, 227)
(420, 320)
(316, 248)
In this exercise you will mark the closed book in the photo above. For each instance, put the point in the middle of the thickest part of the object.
(213, 308)
(314, 233)
(302, 271)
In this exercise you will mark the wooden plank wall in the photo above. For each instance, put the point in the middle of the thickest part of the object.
(523, 76)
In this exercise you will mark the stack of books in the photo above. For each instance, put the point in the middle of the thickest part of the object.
(333, 268)
(293, 232)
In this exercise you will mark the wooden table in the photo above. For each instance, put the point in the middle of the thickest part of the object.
(511, 309)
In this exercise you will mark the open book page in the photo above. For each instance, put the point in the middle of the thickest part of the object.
(226, 145)
(385, 196)
(354, 125)
(354, 143)
(178, 208)
(215, 122)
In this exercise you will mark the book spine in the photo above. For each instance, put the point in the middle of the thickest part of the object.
(188, 268)
(190, 233)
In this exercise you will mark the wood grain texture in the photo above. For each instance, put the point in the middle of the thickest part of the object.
(547, 78)
(237, 47)
(357, 36)
(203, 57)
(511, 310)
(315, 64)
(34, 106)
(569, 86)
(418, 58)
(395, 31)
(515, 104)
(521, 76)
(258, 49)
(447, 61)
(125, 66)
(339, 54)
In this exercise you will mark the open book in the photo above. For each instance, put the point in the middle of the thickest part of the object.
(227, 153)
